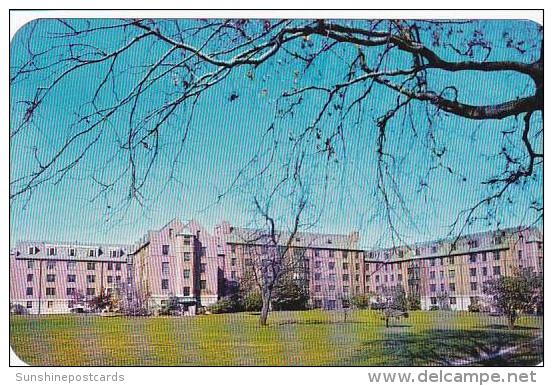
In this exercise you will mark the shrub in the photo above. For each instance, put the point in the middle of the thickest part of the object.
(360, 301)
(414, 303)
(252, 301)
(18, 309)
(223, 306)
(434, 308)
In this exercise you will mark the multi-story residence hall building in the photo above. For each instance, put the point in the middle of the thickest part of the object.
(183, 259)
(48, 277)
(450, 274)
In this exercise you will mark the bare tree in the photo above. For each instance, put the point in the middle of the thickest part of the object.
(270, 253)
(136, 102)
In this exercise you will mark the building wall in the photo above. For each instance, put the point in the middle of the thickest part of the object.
(455, 274)
(49, 275)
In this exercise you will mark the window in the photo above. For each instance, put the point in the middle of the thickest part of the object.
(29, 291)
(30, 263)
(90, 291)
(432, 262)
(109, 279)
(70, 291)
(318, 264)
(50, 291)
(432, 287)
(91, 266)
(233, 249)
(186, 291)
(186, 273)
(496, 255)
(117, 279)
(357, 277)
(433, 301)
(519, 254)
(91, 253)
(71, 265)
(30, 277)
(357, 266)
(51, 265)
(452, 300)
(451, 273)
(33, 250)
(345, 277)
(317, 276)
(472, 258)
(118, 266)
(434, 249)
(165, 268)
(90, 278)
(377, 278)
(233, 274)
(417, 251)
(497, 270)
(203, 284)
(345, 289)
(233, 262)
(202, 267)
(50, 304)
(29, 304)
(432, 274)
(50, 278)
(165, 249)
(110, 266)
(399, 277)
(452, 287)
(484, 271)
(473, 286)
(332, 277)
(51, 251)
(473, 243)
(331, 287)
(187, 256)
(331, 253)
(164, 284)
(72, 252)
(451, 260)
(331, 265)
(317, 288)
(442, 287)
(473, 272)
(484, 256)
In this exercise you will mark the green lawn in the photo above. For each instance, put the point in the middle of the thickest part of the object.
(310, 338)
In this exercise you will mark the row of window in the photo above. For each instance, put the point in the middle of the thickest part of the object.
(332, 276)
(93, 252)
(51, 291)
(332, 265)
(165, 286)
(72, 265)
(332, 288)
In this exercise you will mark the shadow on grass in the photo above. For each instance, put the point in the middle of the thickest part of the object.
(442, 347)
(515, 328)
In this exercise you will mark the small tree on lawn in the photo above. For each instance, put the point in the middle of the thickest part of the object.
(512, 295)
(395, 303)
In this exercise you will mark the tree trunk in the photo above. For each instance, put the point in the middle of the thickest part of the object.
(387, 322)
(264, 309)
(511, 320)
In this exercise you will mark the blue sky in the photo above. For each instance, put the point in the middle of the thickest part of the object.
(224, 135)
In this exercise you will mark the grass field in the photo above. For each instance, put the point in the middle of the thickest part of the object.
(310, 338)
